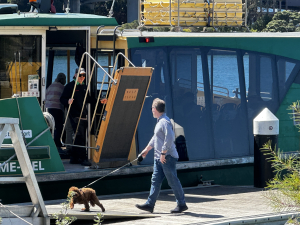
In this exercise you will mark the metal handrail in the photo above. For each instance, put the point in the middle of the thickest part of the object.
(116, 61)
(227, 91)
(113, 71)
(95, 62)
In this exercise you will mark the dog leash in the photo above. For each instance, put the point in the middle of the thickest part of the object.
(139, 159)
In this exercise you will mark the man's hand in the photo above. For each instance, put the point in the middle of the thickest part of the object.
(103, 101)
(163, 159)
(145, 152)
(70, 101)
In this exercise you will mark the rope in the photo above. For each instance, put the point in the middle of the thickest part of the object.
(50, 121)
(14, 214)
(139, 158)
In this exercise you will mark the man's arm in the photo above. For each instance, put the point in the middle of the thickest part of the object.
(146, 150)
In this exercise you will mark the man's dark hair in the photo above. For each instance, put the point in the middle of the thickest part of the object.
(159, 104)
(61, 78)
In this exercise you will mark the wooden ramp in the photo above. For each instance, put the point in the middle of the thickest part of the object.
(121, 116)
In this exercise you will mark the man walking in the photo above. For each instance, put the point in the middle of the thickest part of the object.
(165, 158)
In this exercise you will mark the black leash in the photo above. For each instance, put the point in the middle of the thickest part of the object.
(139, 159)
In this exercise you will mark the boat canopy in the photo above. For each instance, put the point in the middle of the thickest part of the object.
(58, 19)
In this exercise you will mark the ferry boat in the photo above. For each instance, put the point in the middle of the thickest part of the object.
(214, 85)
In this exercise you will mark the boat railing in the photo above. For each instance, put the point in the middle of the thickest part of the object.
(200, 86)
(267, 95)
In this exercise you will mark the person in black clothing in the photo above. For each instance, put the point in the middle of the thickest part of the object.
(78, 155)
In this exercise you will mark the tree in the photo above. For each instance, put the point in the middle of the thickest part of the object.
(119, 10)
(283, 191)
(285, 21)
(261, 22)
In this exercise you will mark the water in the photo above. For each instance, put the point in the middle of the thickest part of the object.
(60, 66)
(225, 70)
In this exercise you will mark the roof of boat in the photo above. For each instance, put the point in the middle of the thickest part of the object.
(134, 33)
(270, 43)
(55, 19)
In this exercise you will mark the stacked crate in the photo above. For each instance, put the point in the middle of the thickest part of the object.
(191, 13)
(226, 13)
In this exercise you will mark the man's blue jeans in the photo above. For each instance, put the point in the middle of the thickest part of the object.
(160, 172)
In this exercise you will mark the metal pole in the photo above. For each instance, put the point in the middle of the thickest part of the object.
(178, 15)
(16, 71)
(68, 66)
(213, 12)
(20, 73)
(246, 12)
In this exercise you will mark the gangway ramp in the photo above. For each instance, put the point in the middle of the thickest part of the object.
(121, 116)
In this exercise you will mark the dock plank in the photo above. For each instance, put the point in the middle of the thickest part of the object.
(207, 205)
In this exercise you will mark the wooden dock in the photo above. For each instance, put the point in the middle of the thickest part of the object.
(207, 205)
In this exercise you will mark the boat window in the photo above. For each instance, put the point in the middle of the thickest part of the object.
(60, 63)
(162, 75)
(229, 120)
(20, 62)
(287, 71)
(202, 87)
(144, 63)
(159, 88)
(106, 61)
(266, 78)
(189, 105)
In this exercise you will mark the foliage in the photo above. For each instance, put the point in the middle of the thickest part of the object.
(62, 217)
(133, 25)
(261, 22)
(295, 107)
(119, 10)
(283, 191)
(161, 29)
(186, 30)
(98, 219)
(232, 29)
(285, 21)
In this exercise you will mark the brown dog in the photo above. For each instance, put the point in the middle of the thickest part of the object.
(84, 196)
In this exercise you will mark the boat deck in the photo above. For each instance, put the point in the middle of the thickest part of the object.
(76, 171)
(207, 205)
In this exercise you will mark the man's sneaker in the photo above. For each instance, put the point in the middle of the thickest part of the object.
(145, 207)
(179, 209)
(86, 163)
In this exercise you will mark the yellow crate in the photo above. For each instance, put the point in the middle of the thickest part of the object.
(161, 4)
(227, 14)
(228, 1)
(225, 6)
(155, 22)
(227, 22)
(165, 13)
(182, 22)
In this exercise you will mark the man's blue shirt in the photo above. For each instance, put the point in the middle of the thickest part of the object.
(163, 138)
